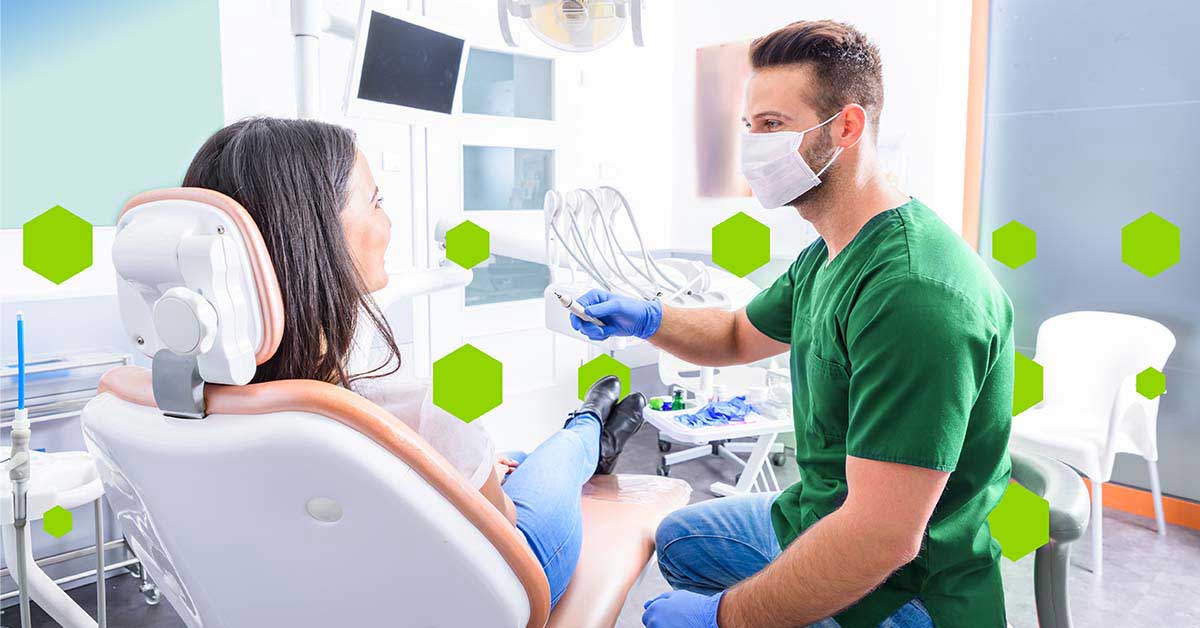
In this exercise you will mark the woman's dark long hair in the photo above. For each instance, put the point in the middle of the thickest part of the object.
(293, 177)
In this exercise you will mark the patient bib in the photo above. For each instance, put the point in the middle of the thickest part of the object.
(467, 446)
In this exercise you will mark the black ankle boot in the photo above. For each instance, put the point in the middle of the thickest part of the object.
(626, 419)
(600, 398)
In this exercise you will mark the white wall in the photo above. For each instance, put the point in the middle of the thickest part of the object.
(924, 48)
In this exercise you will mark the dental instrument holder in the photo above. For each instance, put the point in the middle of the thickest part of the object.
(18, 473)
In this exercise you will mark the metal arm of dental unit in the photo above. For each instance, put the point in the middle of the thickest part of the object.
(309, 21)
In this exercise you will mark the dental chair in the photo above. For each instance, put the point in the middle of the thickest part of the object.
(299, 503)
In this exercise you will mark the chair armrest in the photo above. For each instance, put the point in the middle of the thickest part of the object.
(1062, 487)
(1126, 401)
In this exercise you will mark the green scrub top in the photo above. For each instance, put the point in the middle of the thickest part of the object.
(901, 351)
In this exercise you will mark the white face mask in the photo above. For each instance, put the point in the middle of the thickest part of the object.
(773, 167)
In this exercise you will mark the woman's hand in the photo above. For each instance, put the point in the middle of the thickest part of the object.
(505, 466)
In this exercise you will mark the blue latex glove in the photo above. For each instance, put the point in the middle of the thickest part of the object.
(682, 609)
(718, 413)
(622, 316)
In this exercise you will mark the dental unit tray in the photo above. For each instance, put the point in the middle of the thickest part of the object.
(755, 425)
(764, 452)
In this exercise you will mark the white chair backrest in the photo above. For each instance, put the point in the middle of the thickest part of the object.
(291, 519)
(286, 503)
(1086, 355)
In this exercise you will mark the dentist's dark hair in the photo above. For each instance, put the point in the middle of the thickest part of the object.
(846, 63)
(293, 178)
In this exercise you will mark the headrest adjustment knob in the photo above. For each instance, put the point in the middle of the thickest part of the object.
(185, 321)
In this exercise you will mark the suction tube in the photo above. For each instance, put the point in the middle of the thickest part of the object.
(18, 473)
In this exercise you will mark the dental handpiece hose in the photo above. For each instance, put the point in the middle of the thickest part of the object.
(18, 473)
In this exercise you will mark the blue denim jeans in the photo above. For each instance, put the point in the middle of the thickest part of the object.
(711, 546)
(546, 488)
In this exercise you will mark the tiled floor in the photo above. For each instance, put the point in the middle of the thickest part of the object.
(1149, 581)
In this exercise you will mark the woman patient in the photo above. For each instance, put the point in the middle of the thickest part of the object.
(313, 197)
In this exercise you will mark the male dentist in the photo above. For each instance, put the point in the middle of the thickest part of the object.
(902, 373)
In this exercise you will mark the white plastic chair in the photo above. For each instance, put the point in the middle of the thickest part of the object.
(1091, 410)
(299, 503)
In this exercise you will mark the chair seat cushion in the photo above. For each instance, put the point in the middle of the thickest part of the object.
(620, 516)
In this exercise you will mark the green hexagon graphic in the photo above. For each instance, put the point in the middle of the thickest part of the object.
(1028, 379)
(57, 522)
(1150, 244)
(1020, 523)
(57, 244)
(467, 244)
(1014, 244)
(1151, 383)
(467, 383)
(741, 244)
(598, 367)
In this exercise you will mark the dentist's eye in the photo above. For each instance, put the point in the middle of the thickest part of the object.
(771, 125)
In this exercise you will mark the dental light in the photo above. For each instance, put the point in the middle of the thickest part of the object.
(573, 25)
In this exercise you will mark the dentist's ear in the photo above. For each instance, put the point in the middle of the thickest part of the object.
(853, 126)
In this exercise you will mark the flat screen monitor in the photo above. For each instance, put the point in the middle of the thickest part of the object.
(405, 68)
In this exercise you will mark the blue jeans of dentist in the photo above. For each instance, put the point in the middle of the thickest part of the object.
(710, 546)
(545, 488)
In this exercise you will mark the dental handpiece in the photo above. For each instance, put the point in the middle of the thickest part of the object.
(577, 309)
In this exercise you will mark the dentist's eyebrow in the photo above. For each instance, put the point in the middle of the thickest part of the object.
(772, 114)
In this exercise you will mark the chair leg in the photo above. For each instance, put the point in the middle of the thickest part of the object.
(1097, 527)
(1156, 495)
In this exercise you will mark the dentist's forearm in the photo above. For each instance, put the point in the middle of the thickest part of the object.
(838, 560)
(831, 566)
(700, 336)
